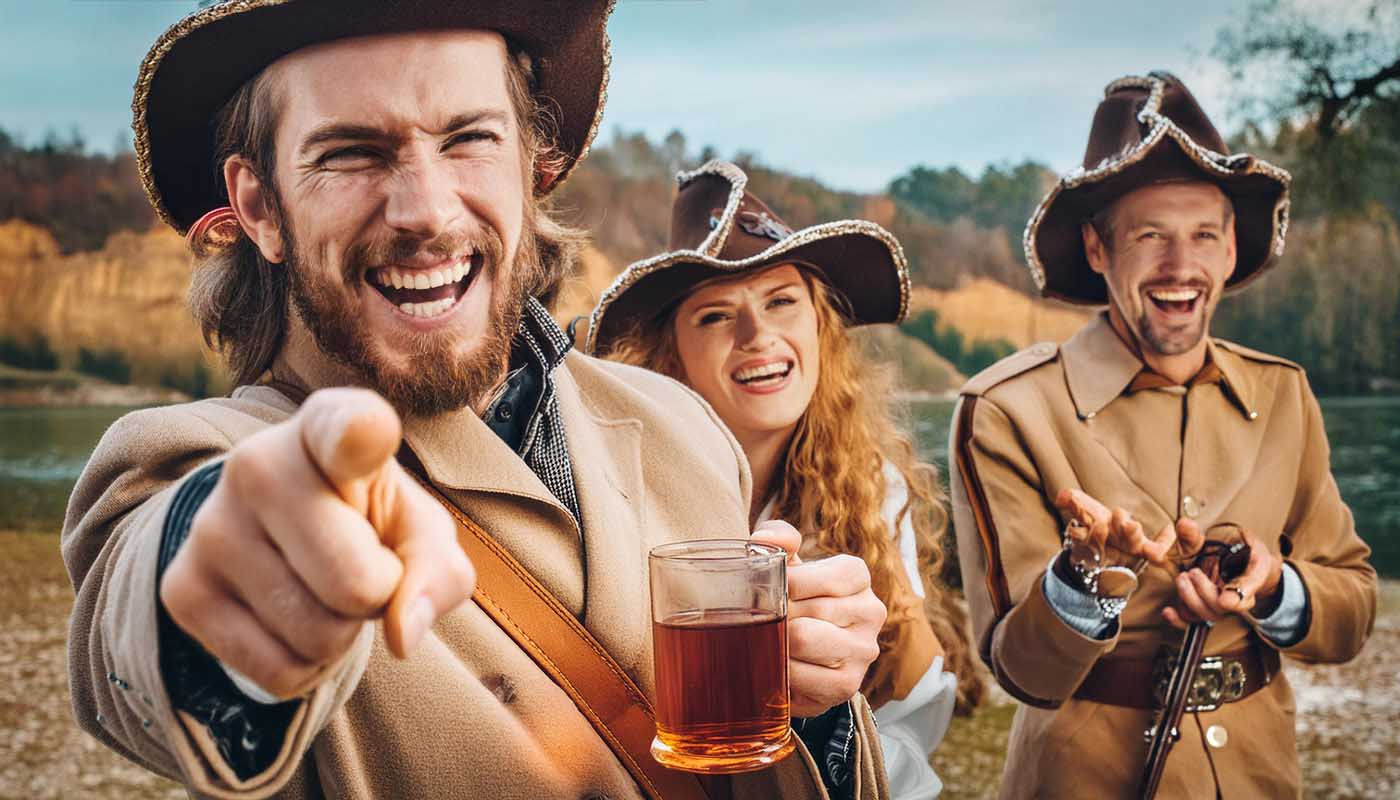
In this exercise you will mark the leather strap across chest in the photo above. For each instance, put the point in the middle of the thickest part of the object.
(567, 652)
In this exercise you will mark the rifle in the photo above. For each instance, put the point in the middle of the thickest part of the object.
(1229, 563)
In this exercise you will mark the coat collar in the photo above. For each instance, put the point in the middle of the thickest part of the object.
(1099, 367)
(459, 451)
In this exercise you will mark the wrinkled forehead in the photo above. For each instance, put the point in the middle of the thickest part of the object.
(391, 79)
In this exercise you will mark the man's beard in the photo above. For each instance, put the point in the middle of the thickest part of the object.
(1174, 342)
(434, 378)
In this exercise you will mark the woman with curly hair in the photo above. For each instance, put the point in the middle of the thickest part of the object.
(754, 318)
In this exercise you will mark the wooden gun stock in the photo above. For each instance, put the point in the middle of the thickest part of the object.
(1230, 562)
(1166, 731)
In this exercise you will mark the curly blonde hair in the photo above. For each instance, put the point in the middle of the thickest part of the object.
(831, 482)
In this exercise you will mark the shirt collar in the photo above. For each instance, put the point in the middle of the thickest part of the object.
(537, 349)
(1100, 367)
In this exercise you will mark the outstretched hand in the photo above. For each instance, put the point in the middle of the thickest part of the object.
(1116, 531)
(312, 531)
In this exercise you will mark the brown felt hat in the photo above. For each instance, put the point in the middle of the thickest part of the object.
(718, 228)
(202, 60)
(1150, 130)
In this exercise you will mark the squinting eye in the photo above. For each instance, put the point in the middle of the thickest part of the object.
(781, 301)
(470, 137)
(349, 158)
(711, 318)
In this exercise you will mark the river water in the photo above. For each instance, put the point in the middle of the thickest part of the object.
(42, 450)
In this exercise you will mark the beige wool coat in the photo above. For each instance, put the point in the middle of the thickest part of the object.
(468, 714)
(1249, 449)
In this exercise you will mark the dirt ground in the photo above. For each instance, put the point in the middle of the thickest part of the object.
(43, 754)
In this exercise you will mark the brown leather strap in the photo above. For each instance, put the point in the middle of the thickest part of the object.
(1128, 681)
(567, 652)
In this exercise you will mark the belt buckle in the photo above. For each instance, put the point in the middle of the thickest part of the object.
(1217, 681)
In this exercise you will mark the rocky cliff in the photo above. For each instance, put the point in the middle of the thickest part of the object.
(128, 296)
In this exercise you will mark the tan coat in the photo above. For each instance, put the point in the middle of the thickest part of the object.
(1249, 450)
(468, 714)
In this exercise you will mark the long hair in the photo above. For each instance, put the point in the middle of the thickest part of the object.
(831, 481)
(241, 301)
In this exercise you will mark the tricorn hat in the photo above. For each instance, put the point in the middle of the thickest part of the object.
(718, 228)
(1151, 130)
(197, 65)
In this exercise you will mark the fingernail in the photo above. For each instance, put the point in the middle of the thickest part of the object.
(419, 618)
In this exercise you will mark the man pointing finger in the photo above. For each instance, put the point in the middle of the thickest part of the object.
(364, 187)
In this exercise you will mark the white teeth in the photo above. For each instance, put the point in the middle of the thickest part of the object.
(400, 279)
(1174, 295)
(762, 371)
(429, 309)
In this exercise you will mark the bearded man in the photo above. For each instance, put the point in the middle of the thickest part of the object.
(363, 184)
(1089, 478)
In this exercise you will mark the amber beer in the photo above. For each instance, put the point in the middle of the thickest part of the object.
(719, 627)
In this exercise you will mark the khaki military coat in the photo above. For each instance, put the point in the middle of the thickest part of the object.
(1248, 449)
(468, 714)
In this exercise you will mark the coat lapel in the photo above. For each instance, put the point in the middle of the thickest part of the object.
(490, 483)
(606, 455)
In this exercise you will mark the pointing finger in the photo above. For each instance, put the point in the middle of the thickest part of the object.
(350, 434)
(437, 575)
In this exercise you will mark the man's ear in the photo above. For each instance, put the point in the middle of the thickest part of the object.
(1094, 248)
(247, 196)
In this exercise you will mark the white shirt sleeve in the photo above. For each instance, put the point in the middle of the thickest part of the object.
(910, 729)
(896, 495)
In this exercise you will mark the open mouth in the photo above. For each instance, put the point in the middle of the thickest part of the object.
(426, 293)
(764, 375)
(1175, 301)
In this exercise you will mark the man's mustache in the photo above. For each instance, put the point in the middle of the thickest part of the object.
(364, 256)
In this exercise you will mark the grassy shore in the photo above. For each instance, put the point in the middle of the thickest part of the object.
(27, 387)
(1348, 715)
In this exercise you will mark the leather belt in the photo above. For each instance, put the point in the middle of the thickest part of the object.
(1141, 682)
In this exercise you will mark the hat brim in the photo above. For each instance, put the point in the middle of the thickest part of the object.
(201, 61)
(859, 259)
(1054, 240)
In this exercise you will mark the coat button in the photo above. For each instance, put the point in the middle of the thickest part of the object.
(504, 412)
(1191, 507)
(1217, 736)
(501, 686)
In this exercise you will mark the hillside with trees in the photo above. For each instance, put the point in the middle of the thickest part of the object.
(87, 271)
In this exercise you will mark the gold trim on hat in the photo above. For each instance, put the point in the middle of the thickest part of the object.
(1208, 160)
(146, 75)
(205, 16)
(738, 179)
(602, 101)
(705, 254)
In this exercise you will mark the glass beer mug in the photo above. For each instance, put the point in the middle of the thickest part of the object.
(719, 628)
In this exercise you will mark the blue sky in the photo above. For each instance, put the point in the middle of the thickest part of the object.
(853, 92)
